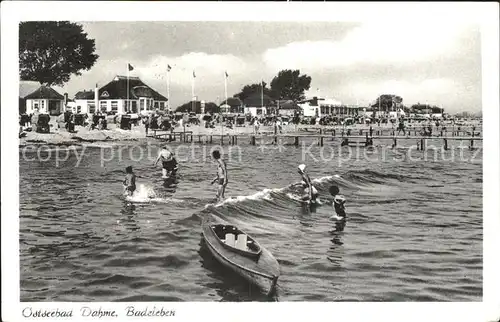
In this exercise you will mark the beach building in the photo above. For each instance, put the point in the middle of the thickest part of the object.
(46, 100)
(331, 106)
(233, 106)
(113, 98)
(84, 102)
(310, 107)
(287, 107)
(257, 104)
(319, 107)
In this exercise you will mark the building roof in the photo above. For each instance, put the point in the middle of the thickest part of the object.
(45, 92)
(288, 105)
(330, 102)
(85, 95)
(28, 87)
(117, 89)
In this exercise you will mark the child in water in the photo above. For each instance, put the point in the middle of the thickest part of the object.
(338, 203)
(129, 182)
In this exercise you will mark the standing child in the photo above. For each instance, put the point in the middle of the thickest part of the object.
(338, 203)
(221, 178)
(129, 182)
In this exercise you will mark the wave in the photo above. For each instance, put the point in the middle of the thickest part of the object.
(292, 192)
(271, 209)
(260, 195)
(146, 194)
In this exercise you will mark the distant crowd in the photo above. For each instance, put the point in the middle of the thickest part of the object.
(169, 120)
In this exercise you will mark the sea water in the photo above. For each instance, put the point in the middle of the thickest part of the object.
(413, 230)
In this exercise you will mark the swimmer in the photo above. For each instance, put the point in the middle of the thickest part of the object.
(221, 178)
(129, 182)
(338, 203)
(311, 192)
(169, 162)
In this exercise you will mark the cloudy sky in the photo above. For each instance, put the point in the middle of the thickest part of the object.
(438, 63)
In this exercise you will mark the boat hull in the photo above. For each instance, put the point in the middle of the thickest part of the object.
(263, 273)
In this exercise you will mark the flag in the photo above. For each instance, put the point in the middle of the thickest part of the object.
(194, 75)
(226, 74)
(130, 67)
(168, 68)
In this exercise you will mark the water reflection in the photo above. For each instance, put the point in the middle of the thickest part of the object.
(170, 184)
(335, 253)
(129, 214)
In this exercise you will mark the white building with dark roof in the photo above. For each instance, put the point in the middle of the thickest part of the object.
(46, 100)
(112, 97)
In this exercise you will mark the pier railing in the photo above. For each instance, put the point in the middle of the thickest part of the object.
(346, 138)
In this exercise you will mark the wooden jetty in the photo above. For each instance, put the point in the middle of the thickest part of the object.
(442, 131)
(345, 140)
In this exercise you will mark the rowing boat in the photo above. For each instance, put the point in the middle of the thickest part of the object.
(242, 254)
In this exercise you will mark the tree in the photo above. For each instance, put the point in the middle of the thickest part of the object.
(188, 107)
(388, 102)
(210, 107)
(290, 85)
(252, 89)
(50, 51)
(426, 108)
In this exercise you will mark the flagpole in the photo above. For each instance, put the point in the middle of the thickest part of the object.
(225, 87)
(192, 91)
(225, 94)
(379, 99)
(262, 94)
(168, 89)
(128, 100)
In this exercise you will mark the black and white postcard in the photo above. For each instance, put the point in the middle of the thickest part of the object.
(292, 160)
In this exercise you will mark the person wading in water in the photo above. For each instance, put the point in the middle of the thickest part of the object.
(169, 162)
(311, 192)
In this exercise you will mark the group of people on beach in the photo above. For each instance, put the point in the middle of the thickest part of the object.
(170, 167)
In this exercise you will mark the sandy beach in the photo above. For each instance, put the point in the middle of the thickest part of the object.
(60, 136)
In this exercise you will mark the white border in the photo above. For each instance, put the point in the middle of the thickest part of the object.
(484, 13)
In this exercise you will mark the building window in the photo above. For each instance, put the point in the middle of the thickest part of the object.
(43, 104)
(103, 106)
(91, 107)
(78, 109)
(134, 106)
(114, 106)
(157, 105)
(36, 106)
(162, 105)
(128, 105)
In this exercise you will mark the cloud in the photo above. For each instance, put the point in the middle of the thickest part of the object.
(208, 68)
(438, 91)
(425, 61)
(371, 43)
